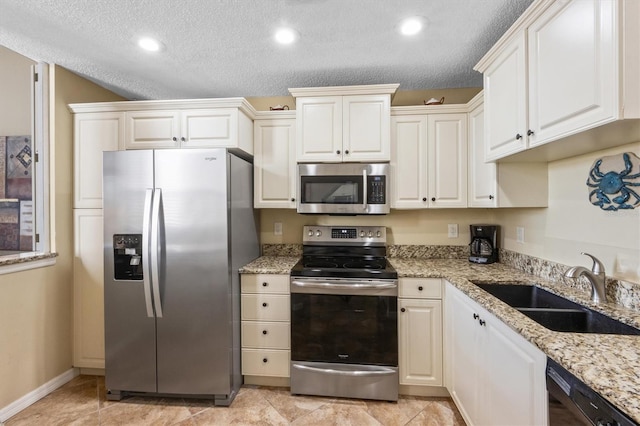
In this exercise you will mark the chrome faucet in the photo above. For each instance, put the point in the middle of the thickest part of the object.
(595, 276)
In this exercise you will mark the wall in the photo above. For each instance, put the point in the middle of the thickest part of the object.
(36, 305)
(15, 90)
(571, 224)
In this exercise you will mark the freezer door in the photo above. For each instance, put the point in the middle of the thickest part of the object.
(130, 349)
(194, 333)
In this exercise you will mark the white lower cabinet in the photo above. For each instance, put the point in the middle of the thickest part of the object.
(265, 315)
(88, 289)
(420, 331)
(494, 375)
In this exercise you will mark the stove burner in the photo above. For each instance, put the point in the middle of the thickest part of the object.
(320, 264)
(363, 265)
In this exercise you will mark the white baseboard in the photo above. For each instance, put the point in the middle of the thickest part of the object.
(20, 404)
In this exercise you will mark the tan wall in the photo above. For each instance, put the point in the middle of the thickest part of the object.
(15, 93)
(36, 306)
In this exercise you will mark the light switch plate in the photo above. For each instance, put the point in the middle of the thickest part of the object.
(453, 230)
(277, 228)
(520, 234)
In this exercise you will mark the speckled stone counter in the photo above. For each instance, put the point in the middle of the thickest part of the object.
(609, 364)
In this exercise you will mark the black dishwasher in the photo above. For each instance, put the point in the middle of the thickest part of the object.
(573, 402)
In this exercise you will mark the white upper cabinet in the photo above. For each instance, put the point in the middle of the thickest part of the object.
(566, 72)
(429, 157)
(501, 184)
(342, 124)
(93, 134)
(274, 161)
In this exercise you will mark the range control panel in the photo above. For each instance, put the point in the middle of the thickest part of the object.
(344, 235)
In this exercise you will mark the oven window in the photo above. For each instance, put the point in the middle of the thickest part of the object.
(331, 189)
(344, 328)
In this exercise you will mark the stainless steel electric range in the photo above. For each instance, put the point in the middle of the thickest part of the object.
(344, 332)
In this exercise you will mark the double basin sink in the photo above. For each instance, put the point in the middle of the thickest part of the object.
(555, 312)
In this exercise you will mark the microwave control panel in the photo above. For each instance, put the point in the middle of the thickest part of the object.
(376, 189)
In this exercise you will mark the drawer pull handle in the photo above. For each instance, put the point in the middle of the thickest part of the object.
(265, 284)
(420, 288)
(264, 331)
(264, 304)
(265, 360)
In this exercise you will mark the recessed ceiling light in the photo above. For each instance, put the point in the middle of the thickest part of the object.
(149, 44)
(411, 26)
(286, 35)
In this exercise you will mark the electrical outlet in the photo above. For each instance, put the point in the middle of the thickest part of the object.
(277, 228)
(453, 230)
(520, 234)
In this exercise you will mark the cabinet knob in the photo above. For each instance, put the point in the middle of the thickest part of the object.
(402, 309)
(424, 198)
(476, 316)
(183, 139)
(346, 151)
(529, 132)
(265, 284)
(420, 288)
(265, 360)
(174, 138)
(433, 198)
(482, 322)
(338, 152)
(264, 304)
(293, 199)
(518, 136)
(264, 332)
(491, 197)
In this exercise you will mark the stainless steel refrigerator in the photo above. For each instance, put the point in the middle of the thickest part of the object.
(178, 224)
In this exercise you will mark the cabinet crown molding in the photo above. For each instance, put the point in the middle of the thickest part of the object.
(241, 103)
(372, 89)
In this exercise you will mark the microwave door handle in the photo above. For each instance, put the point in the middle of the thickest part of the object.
(364, 190)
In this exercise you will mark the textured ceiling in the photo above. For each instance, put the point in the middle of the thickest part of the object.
(224, 48)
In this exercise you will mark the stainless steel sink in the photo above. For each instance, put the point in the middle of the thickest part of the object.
(555, 312)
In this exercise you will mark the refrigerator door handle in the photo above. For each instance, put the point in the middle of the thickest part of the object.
(155, 252)
(146, 277)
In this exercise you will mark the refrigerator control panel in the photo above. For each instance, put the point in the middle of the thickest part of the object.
(127, 256)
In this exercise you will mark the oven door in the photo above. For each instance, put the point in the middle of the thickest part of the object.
(345, 188)
(344, 321)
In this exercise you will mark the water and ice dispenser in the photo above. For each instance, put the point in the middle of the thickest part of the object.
(127, 256)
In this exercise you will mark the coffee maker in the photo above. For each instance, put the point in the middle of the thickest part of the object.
(484, 243)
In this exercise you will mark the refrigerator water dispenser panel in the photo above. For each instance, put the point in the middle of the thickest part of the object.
(127, 256)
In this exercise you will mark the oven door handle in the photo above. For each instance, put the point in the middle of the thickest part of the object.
(380, 371)
(356, 286)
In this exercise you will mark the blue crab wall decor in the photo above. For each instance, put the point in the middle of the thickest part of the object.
(612, 181)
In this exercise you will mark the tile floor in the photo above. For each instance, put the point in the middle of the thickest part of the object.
(82, 402)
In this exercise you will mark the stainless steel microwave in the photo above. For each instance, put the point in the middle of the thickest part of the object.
(343, 188)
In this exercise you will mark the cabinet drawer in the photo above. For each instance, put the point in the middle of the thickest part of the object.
(265, 307)
(265, 283)
(420, 288)
(265, 335)
(259, 362)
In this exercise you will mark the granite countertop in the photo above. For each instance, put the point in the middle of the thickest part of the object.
(609, 364)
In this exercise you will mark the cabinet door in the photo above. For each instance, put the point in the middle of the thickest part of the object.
(447, 160)
(465, 359)
(319, 129)
(152, 129)
(93, 134)
(209, 128)
(274, 164)
(366, 129)
(420, 342)
(88, 289)
(572, 69)
(505, 100)
(409, 162)
(515, 378)
(482, 185)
